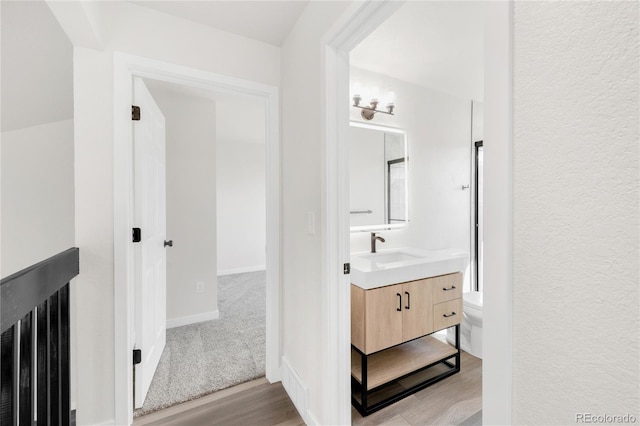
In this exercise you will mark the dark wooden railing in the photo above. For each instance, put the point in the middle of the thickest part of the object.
(34, 320)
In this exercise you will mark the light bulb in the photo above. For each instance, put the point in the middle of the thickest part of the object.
(356, 89)
(391, 98)
(375, 93)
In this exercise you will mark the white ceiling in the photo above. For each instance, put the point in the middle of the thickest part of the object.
(436, 44)
(267, 21)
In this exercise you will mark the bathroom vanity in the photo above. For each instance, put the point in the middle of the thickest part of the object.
(399, 298)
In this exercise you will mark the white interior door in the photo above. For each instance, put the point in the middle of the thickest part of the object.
(150, 254)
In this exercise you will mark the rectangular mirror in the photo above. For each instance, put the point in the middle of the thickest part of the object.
(378, 177)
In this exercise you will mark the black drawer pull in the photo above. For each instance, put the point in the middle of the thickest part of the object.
(408, 300)
(399, 308)
(450, 315)
(453, 287)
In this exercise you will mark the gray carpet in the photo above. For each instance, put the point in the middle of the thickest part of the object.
(202, 358)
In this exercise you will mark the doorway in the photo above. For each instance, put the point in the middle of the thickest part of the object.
(215, 217)
(126, 67)
(498, 20)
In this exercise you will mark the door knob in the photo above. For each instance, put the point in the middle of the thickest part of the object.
(168, 243)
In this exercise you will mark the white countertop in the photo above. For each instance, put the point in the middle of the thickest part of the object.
(392, 266)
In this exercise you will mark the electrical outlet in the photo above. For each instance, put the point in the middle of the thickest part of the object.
(200, 287)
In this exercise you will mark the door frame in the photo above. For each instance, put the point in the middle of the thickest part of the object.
(356, 24)
(127, 66)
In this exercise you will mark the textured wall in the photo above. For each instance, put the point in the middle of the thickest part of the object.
(575, 306)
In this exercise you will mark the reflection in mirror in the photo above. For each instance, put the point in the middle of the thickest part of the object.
(378, 176)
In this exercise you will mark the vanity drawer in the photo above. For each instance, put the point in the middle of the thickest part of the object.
(447, 314)
(447, 287)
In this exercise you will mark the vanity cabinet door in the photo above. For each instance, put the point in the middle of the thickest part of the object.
(383, 320)
(417, 309)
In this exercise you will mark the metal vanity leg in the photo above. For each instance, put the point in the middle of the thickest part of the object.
(458, 347)
(364, 391)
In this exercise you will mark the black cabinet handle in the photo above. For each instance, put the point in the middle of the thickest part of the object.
(399, 308)
(168, 243)
(450, 315)
(450, 288)
(408, 300)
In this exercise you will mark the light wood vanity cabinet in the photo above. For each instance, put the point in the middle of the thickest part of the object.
(389, 335)
(386, 316)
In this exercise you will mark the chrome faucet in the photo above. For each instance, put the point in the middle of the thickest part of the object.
(374, 238)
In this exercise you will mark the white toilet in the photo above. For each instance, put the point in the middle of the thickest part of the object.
(471, 326)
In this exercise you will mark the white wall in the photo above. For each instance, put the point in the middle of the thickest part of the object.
(36, 66)
(138, 30)
(190, 124)
(302, 285)
(241, 184)
(477, 130)
(128, 28)
(438, 129)
(37, 194)
(37, 136)
(240, 171)
(575, 211)
(94, 175)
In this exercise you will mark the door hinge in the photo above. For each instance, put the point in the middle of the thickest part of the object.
(346, 268)
(137, 235)
(135, 113)
(137, 356)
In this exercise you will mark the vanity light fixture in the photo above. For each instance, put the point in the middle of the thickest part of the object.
(368, 112)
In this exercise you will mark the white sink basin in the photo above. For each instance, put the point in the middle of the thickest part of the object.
(371, 270)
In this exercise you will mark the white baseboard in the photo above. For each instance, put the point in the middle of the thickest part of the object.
(297, 391)
(312, 421)
(104, 423)
(192, 319)
(241, 270)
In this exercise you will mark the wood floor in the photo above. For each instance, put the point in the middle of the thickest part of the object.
(253, 403)
(456, 400)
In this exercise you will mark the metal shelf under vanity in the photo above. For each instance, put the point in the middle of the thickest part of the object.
(382, 378)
